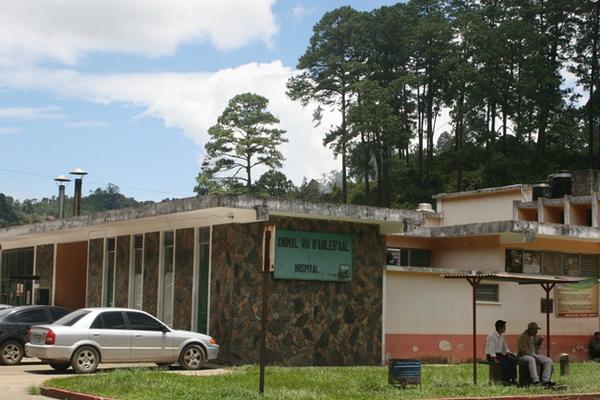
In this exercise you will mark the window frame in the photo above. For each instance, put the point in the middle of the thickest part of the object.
(161, 278)
(105, 277)
(487, 301)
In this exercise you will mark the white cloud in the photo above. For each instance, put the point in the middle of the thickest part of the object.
(86, 124)
(64, 30)
(193, 101)
(5, 130)
(299, 11)
(32, 113)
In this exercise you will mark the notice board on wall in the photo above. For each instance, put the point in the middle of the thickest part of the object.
(577, 300)
(313, 256)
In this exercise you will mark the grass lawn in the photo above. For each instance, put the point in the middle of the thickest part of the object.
(312, 383)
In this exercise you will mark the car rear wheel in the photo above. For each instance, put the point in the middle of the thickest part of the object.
(85, 360)
(60, 367)
(11, 352)
(192, 357)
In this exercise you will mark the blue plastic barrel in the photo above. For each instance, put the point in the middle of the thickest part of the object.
(404, 372)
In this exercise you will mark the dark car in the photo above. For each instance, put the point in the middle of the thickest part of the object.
(14, 326)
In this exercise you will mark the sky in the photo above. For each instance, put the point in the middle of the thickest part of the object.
(127, 89)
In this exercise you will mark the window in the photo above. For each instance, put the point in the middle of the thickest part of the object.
(514, 261)
(109, 320)
(589, 265)
(32, 316)
(109, 273)
(138, 254)
(58, 313)
(72, 318)
(409, 257)
(487, 292)
(98, 323)
(17, 266)
(143, 322)
(532, 261)
(551, 263)
(203, 278)
(570, 265)
(168, 262)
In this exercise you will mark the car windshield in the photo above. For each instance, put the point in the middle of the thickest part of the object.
(72, 318)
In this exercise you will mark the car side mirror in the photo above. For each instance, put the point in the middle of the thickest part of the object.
(165, 329)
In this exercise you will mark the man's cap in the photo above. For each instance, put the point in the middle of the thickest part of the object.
(533, 325)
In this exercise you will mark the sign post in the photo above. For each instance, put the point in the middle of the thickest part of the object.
(266, 268)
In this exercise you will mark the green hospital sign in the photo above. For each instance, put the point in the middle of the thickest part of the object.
(313, 256)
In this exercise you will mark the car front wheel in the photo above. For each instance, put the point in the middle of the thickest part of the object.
(192, 357)
(85, 360)
(11, 352)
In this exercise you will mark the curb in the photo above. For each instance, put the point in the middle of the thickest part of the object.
(572, 396)
(67, 394)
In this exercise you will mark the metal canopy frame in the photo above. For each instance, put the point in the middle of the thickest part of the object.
(474, 278)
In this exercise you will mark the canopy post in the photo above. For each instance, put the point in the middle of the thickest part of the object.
(474, 282)
(547, 288)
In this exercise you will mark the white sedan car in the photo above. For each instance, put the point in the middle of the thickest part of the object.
(86, 337)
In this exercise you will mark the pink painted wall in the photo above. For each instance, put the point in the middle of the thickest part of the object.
(459, 348)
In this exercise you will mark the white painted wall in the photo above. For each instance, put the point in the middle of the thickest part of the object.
(479, 208)
(428, 304)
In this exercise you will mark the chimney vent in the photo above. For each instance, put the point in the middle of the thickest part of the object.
(425, 207)
(79, 173)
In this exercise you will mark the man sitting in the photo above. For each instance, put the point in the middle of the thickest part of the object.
(497, 352)
(595, 347)
(529, 344)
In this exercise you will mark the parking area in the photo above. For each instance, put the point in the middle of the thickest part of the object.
(16, 380)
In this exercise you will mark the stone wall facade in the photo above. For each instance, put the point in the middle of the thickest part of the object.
(44, 267)
(94, 273)
(150, 285)
(184, 279)
(310, 322)
(122, 271)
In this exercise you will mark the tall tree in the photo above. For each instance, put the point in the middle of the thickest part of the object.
(274, 183)
(244, 137)
(329, 69)
(431, 43)
(587, 67)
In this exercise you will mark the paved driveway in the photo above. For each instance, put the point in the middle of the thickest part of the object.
(16, 380)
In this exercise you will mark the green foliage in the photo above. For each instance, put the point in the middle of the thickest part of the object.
(13, 212)
(243, 138)
(347, 383)
(274, 183)
(8, 216)
(495, 66)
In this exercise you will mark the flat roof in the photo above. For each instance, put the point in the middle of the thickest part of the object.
(480, 192)
(231, 209)
(528, 230)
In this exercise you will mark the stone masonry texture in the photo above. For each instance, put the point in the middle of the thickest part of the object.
(150, 285)
(44, 266)
(122, 271)
(184, 275)
(310, 322)
(94, 280)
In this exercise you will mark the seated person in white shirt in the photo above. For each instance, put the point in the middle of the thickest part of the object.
(497, 352)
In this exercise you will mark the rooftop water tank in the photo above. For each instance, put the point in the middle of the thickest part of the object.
(540, 190)
(560, 185)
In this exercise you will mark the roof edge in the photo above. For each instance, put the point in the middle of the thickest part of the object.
(480, 192)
